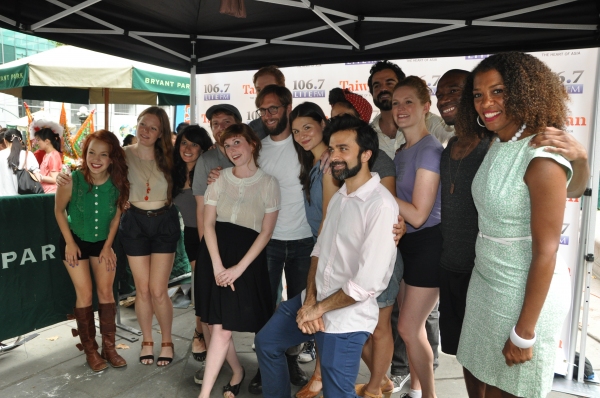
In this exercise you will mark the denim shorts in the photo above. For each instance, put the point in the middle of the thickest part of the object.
(388, 296)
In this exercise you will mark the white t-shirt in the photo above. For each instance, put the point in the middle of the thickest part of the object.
(8, 180)
(279, 159)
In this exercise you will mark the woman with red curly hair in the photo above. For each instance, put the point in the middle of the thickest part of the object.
(94, 199)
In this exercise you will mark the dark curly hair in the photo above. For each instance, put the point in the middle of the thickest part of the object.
(180, 173)
(383, 65)
(117, 169)
(533, 94)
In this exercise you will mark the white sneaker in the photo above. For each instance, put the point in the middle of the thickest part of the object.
(399, 382)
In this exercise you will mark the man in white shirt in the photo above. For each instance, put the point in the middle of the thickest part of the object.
(351, 264)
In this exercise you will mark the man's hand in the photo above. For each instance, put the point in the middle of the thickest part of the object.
(514, 355)
(63, 179)
(557, 141)
(310, 319)
(399, 229)
(214, 175)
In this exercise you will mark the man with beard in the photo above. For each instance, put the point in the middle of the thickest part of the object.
(384, 76)
(264, 77)
(351, 264)
(292, 242)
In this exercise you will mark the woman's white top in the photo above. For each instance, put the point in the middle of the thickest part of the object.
(8, 180)
(244, 201)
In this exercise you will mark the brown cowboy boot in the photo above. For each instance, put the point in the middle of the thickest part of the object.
(108, 329)
(86, 330)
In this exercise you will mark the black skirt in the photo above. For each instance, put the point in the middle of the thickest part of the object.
(250, 306)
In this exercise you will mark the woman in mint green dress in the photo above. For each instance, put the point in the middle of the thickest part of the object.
(519, 293)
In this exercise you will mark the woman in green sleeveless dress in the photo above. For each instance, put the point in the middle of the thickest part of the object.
(519, 293)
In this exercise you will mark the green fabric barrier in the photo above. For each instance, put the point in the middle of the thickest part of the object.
(35, 288)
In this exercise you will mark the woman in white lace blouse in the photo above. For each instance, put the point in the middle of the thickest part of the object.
(240, 212)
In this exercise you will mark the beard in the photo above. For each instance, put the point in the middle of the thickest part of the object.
(385, 105)
(279, 127)
(343, 174)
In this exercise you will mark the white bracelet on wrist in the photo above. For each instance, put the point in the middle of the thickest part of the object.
(521, 342)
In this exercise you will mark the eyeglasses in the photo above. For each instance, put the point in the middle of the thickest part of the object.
(272, 110)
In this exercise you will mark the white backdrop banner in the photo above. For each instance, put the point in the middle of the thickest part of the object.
(576, 69)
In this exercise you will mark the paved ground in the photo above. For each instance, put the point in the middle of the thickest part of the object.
(45, 367)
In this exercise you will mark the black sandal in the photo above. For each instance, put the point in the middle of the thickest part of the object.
(146, 357)
(168, 360)
(235, 390)
(199, 356)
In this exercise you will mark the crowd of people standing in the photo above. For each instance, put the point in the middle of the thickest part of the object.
(374, 223)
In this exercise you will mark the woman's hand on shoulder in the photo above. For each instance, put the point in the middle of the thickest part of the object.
(63, 179)
(514, 355)
(109, 258)
(399, 229)
(214, 175)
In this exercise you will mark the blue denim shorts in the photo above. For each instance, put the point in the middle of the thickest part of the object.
(388, 296)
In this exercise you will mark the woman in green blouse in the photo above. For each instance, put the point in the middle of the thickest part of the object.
(94, 200)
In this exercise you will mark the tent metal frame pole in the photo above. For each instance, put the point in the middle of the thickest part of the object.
(193, 117)
(308, 44)
(8, 20)
(527, 10)
(528, 25)
(62, 14)
(155, 45)
(329, 22)
(88, 16)
(79, 31)
(586, 241)
(235, 50)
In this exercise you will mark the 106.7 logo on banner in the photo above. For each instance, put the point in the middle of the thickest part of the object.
(308, 88)
(216, 92)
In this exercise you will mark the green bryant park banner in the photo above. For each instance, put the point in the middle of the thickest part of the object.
(35, 288)
(17, 76)
(160, 82)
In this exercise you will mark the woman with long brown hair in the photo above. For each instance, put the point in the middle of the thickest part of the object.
(94, 200)
(150, 229)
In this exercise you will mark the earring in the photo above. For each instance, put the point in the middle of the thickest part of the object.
(479, 122)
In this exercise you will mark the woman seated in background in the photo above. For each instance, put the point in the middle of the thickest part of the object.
(191, 142)
(94, 200)
(49, 142)
(14, 156)
(232, 281)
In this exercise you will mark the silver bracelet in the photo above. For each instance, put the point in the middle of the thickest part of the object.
(521, 342)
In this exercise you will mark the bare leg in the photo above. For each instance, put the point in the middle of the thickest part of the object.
(140, 268)
(221, 347)
(475, 388)
(382, 345)
(82, 281)
(417, 305)
(104, 281)
(160, 270)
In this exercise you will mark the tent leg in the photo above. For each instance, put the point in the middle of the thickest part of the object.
(193, 116)
(586, 241)
(106, 100)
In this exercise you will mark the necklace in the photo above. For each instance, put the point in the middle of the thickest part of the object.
(458, 168)
(516, 136)
(147, 177)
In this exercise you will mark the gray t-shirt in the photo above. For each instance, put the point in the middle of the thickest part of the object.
(459, 216)
(206, 162)
(259, 128)
(384, 166)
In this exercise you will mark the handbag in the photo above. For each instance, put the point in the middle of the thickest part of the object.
(27, 181)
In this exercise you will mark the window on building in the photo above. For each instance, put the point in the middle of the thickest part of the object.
(124, 109)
